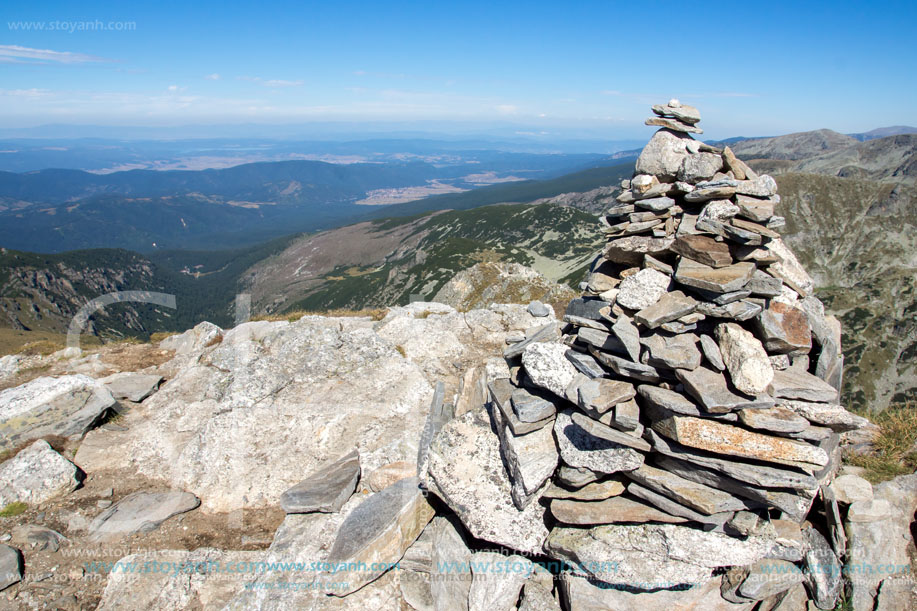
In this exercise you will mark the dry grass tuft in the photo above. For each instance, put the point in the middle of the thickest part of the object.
(373, 313)
(157, 337)
(895, 448)
(42, 347)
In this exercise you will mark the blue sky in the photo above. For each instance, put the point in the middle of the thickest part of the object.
(593, 68)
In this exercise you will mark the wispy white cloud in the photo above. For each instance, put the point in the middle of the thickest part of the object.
(506, 109)
(274, 83)
(212, 77)
(282, 83)
(17, 54)
(24, 93)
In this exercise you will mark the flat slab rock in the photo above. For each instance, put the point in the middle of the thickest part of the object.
(614, 510)
(579, 448)
(67, 406)
(325, 490)
(656, 396)
(530, 459)
(630, 250)
(10, 566)
(652, 556)
(676, 110)
(531, 408)
(670, 306)
(501, 391)
(377, 533)
(703, 249)
(603, 431)
(831, 415)
(715, 279)
(548, 367)
(672, 352)
(785, 329)
(710, 389)
(140, 512)
(794, 384)
(674, 508)
(586, 595)
(720, 438)
(132, 386)
(596, 491)
(769, 577)
(777, 419)
(466, 471)
(701, 498)
(757, 475)
(601, 395)
(35, 475)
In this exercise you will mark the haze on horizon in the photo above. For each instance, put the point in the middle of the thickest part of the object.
(532, 68)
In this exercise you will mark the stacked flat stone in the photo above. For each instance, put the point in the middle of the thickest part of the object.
(693, 397)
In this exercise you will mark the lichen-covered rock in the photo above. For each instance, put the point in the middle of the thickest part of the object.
(652, 556)
(244, 419)
(187, 580)
(579, 448)
(664, 155)
(376, 534)
(643, 289)
(67, 406)
(548, 367)
(466, 471)
(746, 360)
(35, 475)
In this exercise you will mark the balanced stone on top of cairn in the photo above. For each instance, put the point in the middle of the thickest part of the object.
(693, 399)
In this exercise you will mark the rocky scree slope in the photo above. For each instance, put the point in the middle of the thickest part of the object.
(397, 260)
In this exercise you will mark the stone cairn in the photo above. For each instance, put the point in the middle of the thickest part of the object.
(685, 423)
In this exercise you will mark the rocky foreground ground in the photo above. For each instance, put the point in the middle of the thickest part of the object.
(212, 460)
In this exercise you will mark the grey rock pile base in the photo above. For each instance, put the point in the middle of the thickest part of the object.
(693, 403)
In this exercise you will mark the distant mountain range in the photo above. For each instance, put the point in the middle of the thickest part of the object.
(884, 132)
(145, 210)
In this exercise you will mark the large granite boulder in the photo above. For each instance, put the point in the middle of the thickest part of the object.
(245, 417)
(67, 406)
(35, 475)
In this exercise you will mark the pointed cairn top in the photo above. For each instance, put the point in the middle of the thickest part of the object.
(677, 116)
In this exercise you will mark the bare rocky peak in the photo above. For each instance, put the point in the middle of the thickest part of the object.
(794, 146)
